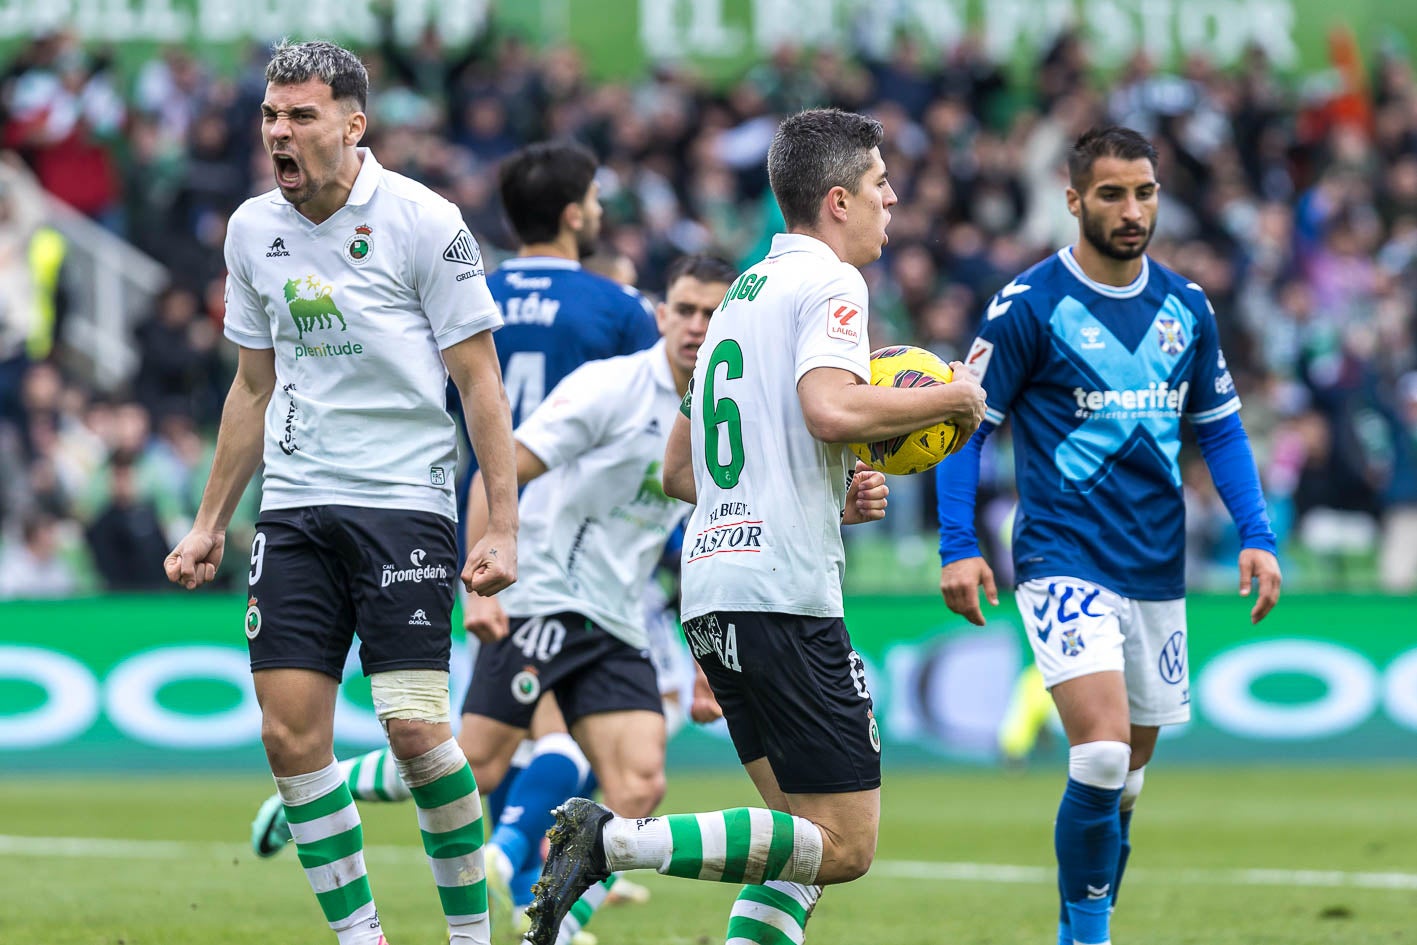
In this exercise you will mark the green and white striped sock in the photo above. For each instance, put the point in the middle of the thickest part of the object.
(375, 777)
(324, 824)
(772, 914)
(450, 817)
(583, 909)
(743, 845)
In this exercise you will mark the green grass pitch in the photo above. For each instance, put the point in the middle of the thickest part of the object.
(1254, 856)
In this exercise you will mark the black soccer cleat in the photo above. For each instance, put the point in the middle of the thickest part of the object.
(575, 862)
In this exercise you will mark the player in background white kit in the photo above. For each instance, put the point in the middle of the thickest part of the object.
(781, 383)
(354, 293)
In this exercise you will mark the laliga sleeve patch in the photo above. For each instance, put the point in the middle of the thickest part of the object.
(977, 361)
(844, 320)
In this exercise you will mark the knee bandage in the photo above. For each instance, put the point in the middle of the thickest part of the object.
(1100, 764)
(419, 695)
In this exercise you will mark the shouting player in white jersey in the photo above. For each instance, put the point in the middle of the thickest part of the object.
(781, 383)
(354, 293)
(1098, 352)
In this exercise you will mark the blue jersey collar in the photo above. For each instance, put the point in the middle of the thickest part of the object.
(539, 262)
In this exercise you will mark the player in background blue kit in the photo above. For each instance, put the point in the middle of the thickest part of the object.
(1097, 353)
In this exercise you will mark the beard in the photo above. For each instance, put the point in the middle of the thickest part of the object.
(1094, 231)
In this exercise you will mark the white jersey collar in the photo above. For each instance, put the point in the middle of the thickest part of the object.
(365, 184)
(801, 243)
(539, 262)
(1110, 291)
(659, 365)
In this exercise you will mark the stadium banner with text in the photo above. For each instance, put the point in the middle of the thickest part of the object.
(163, 682)
(620, 38)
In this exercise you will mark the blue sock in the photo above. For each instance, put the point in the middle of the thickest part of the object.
(1124, 851)
(1065, 924)
(525, 878)
(496, 802)
(1087, 839)
(551, 777)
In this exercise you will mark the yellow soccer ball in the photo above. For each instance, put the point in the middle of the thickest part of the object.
(908, 366)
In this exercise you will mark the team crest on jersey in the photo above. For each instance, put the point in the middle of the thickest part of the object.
(1072, 642)
(1170, 335)
(359, 247)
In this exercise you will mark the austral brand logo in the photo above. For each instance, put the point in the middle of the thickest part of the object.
(277, 248)
(417, 574)
(420, 619)
(359, 247)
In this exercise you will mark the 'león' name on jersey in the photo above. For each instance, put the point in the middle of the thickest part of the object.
(530, 310)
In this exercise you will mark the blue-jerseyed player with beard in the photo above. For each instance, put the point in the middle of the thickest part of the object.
(1097, 353)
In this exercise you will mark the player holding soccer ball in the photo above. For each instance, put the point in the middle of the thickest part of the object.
(780, 385)
(1098, 352)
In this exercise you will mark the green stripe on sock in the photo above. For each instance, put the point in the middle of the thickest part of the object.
(581, 911)
(445, 846)
(740, 926)
(738, 842)
(780, 850)
(326, 850)
(768, 896)
(464, 900)
(687, 856)
(379, 777)
(446, 789)
(322, 806)
(341, 903)
(352, 781)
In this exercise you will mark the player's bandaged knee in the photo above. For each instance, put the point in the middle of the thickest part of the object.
(1100, 764)
(1132, 787)
(419, 695)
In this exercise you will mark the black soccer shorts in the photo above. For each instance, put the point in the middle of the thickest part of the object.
(323, 574)
(589, 669)
(794, 691)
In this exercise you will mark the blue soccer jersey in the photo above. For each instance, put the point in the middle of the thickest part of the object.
(1097, 378)
(557, 316)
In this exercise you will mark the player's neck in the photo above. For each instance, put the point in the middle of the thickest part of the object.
(562, 247)
(1105, 269)
(835, 240)
(335, 194)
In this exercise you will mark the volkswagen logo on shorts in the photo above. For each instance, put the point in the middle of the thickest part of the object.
(526, 686)
(1172, 663)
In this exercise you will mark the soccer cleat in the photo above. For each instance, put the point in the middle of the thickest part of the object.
(269, 831)
(573, 865)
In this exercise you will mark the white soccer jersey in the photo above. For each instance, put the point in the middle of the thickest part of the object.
(594, 525)
(766, 533)
(358, 309)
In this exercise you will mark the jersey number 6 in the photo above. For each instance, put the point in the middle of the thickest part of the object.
(723, 412)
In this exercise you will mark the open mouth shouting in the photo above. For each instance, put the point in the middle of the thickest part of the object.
(289, 175)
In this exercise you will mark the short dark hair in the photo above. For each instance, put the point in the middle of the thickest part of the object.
(1107, 141)
(814, 151)
(701, 266)
(538, 182)
(337, 67)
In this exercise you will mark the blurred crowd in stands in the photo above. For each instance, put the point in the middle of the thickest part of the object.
(1291, 199)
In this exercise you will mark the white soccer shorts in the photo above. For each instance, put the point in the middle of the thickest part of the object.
(1077, 628)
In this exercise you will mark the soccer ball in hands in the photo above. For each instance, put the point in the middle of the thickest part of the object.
(908, 366)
